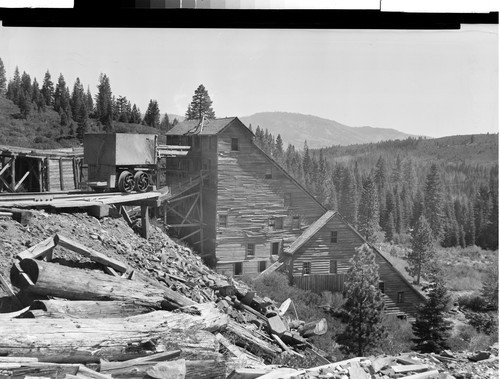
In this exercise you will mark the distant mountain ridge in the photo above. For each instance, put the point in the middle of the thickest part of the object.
(295, 128)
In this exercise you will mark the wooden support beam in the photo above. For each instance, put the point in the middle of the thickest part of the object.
(182, 197)
(6, 185)
(181, 225)
(190, 209)
(13, 176)
(189, 235)
(40, 250)
(22, 180)
(145, 221)
(89, 253)
(6, 166)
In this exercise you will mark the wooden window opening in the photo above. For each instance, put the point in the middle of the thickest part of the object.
(333, 236)
(235, 144)
(381, 287)
(287, 199)
(269, 174)
(401, 297)
(306, 268)
(278, 223)
(250, 250)
(275, 248)
(296, 222)
(333, 266)
(262, 266)
(238, 268)
(222, 221)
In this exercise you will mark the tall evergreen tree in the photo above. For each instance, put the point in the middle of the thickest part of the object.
(348, 202)
(37, 97)
(433, 200)
(135, 115)
(48, 89)
(422, 250)
(104, 103)
(201, 105)
(278, 153)
(431, 329)
(368, 213)
(3, 79)
(363, 309)
(152, 116)
(89, 102)
(14, 87)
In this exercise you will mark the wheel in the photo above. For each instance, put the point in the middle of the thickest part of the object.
(141, 180)
(126, 181)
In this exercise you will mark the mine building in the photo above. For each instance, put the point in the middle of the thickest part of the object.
(251, 216)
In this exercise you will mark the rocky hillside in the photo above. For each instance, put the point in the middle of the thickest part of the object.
(295, 128)
(206, 326)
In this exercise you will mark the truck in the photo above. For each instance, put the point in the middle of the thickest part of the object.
(122, 162)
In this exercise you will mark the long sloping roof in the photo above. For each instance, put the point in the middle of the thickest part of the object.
(209, 127)
(310, 232)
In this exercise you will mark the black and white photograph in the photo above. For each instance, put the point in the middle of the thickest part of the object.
(246, 198)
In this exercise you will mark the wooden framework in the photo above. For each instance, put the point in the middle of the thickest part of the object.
(27, 170)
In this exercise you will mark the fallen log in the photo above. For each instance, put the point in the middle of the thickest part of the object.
(135, 367)
(52, 279)
(86, 341)
(204, 369)
(84, 309)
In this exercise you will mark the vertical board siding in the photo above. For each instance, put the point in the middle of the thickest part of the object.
(319, 251)
(249, 200)
(54, 173)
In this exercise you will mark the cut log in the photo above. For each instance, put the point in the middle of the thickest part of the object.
(84, 309)
(84, 340)
(399, 369)
(74, 284)
(247, 373)
(136, 367)
(190, 369)
(89, 253)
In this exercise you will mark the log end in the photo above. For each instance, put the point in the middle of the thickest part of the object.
(24, 273)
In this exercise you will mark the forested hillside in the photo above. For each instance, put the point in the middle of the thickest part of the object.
(383, 188)
(50, 115)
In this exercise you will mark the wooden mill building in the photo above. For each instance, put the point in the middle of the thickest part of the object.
(250, 215)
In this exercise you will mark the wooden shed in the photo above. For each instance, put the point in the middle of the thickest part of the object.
(319, 259)
(36, 170)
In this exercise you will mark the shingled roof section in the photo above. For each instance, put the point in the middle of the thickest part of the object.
(314, 228)
(210, 126)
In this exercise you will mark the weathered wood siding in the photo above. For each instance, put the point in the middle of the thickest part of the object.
(250, 202)
(54, 169)
(319, 251)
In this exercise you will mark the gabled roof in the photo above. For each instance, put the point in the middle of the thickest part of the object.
(310, 232)
(209, 127)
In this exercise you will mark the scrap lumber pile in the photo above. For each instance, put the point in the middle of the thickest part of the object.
(173, 315)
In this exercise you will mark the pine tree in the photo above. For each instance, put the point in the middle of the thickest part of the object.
(165, 123)
(431, 329)
(422, 250)
(14, 87)
(152, 116)
(89, 102)
(348, 202)
(122, 105)
(433, 201)
(278, 153)
(77, 99)
(104, 103)
(363, 309)
(368, 213)
(201, 105)
(135, 115)
(37, 97)
(3, 79)
(48, 89)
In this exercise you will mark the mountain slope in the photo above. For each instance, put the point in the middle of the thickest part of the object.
(295, 128)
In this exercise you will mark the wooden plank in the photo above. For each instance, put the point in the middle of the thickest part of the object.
(89, 253)
(247, 373)
(6, 286)
(22, 180)
(39, 250)
(6, 166)
(423, 375)
(61, 174)
(409, 368)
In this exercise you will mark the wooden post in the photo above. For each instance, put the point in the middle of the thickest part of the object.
(47, 174)
(145, 221)
(201, 214)
(13, 176)
(61, 176)
(40, 175)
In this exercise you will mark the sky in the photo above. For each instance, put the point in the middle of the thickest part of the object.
(429, 82)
